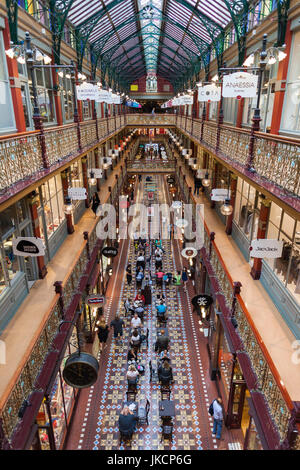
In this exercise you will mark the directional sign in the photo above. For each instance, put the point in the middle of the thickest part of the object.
(28, 246)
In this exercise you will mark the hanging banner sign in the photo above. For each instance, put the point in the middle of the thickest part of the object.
(202, 300)
(189, 252)
(109, 252)
(102, 96)
(181, 223)
(239, 84)
(187, 152)
(77, 193)
(87, 91)
(187, 99)
(28, 246)
(105, 161)
(220, 194)
(265, 248)
(209, 93)
(175, 102)
(176, 204)
(116, 99)
(95, 300)
(97, 173)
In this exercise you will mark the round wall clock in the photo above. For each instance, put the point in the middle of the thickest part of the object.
(81, 370)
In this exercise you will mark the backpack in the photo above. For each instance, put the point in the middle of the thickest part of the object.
(211, 408)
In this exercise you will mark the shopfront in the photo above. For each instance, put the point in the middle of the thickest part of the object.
(54, 417)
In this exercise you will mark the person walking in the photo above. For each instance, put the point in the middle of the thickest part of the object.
(218, 417)
(129, 274)
(197, 184)
(185, 278)
(95, 203)
(177, 279)
(117, 325)
(102, 334)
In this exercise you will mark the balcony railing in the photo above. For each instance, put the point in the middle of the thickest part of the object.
(26, 157)
(149, 120)
(151, 166)
(281, 407)
(42, 344)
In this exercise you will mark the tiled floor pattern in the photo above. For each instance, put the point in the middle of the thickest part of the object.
(192, 423)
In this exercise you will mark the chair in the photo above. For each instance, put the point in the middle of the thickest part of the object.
(143, 413)
(167, 432)
(132, 385)
(131, 395)
(153, 374)
(126, 438)
(165, 392)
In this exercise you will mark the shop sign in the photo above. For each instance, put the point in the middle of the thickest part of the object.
(77, 193)
(109, 251)
(240, 84)
(106, 161)
(97, 172)
(220, 194)
(28, 246)
(187, 152)
(102, 95)
(86, 91)
(265, 248)
(176, 204)
(116, 99)
(202, 300)
(209, 93)
(189, 252)
(95, 300)
(187, 99)
(150, 211)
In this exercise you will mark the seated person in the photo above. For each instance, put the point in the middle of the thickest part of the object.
(140, 297)
(164, 356)
(165, 374)
(135, 339)
(128, 306)
(132, 355)
(159, 274)
(136, 321)
(132, 374)
(127, 421)
(140, 312)
(167, 278)
(140, 276)
(161, 309)
(162, 342)
(140, 261)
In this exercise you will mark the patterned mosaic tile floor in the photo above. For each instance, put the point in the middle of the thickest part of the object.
(96, 422)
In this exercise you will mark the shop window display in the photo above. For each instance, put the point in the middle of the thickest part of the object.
(287, 268)
(44, 94)
(53, 205)
(291, 112)
(225, 362)
(67, 98)
(246, 213)
(9, 262)
(7, 120)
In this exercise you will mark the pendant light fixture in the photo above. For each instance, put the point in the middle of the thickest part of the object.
(226, 208)
(206, 181)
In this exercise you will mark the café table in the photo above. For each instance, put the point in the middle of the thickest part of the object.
(166, 409)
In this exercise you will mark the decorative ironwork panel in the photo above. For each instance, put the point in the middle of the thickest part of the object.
(189, 125)
(61, 143)
(53, 323)
(278, 162)
(37, 356)
(235, 145)
(222, 277)
(88, 133)
(20, 158)
(210, 134)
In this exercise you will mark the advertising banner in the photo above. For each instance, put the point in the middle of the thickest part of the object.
(239, 84)
(209, 93)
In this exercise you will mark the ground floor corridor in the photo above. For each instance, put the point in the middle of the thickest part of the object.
(95, 421)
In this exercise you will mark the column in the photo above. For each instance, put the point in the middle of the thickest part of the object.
(15, 86)
(85, 180)
(240, 110)
(33, 205)
(65, 185)
(97, 165)
(281, 83)
(57, 96)
(261, 233)
(214, 181)
(233, 186)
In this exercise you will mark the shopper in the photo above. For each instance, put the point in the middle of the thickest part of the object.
(127, 422)
(218, 417)
(117, 325)
(95, 203)
(102, 334)
(184, 278)
(129, 274)
(136, 322)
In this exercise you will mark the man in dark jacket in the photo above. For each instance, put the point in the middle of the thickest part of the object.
(162, 342)
(197, 185)
(165, 373)
(127, 421)
(117, 325)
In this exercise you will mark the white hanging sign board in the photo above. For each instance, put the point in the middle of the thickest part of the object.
(97, 172)
(202, 173)
(102, 95)
(86, 91)
(240, 84)
(28, 246)
(77, 193)
(189, 252)
(265, 248)
(220, 194)
(209, 93)
(187, 99)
